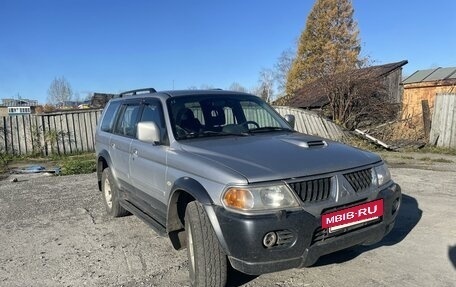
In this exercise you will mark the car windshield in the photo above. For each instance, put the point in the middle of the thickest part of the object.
(222, 115)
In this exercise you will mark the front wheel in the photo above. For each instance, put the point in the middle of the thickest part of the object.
(207, 263)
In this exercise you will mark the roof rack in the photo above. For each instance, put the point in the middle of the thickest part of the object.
(135, 92)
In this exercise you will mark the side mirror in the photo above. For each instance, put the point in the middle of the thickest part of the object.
(291, 120)
(148, 132)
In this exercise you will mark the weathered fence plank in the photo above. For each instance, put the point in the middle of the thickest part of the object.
(443, 127)
(64, 133)
(310, 123)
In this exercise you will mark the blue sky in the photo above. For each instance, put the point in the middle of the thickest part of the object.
(112, 46)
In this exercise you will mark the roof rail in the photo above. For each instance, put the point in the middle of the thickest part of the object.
(134, 92)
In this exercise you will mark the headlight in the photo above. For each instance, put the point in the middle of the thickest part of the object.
(259, 198)
(381, 175)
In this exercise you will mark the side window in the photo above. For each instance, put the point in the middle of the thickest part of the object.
(152, 112)
(126, 125)
(108, 119)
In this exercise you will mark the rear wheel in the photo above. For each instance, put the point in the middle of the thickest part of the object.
(111, 195)
(207, 263)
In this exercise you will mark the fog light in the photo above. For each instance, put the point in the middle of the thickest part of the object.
(270, 239)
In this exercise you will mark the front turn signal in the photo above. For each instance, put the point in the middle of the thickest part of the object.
(238, 198)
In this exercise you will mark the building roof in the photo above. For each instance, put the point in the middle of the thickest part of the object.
(431, 75)
(312, 95)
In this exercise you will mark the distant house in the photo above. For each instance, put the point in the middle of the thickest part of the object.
(425, 85)
(313, 96)
(14, 107)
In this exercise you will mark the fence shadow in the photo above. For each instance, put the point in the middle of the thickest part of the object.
(409, 216)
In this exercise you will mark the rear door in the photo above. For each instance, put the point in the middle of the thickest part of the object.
(148, 164)
(124, 132)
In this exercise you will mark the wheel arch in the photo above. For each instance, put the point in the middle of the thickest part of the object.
(184, 191)
(103, 161)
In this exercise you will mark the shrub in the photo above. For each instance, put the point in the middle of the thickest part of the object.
(78, 166)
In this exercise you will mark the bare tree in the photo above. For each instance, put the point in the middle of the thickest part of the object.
(266, 82)
(238, 88)
(206, 87)
(282, 68)
(357, 98)
(59, 91)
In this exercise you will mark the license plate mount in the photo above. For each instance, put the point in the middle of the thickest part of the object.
(351, 216)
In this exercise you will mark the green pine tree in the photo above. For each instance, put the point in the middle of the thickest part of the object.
(328, 45)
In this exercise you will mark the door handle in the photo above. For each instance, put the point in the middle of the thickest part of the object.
(135, 152)
(113, 145)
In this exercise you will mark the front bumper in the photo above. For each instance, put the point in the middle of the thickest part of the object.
(242, 236)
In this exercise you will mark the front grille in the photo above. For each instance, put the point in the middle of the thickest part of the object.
(312, 190)
(360, 180)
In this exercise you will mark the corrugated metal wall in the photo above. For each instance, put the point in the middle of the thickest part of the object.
(443, 128)
(311, 123)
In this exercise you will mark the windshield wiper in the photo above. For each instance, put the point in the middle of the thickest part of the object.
(269, 129)
(214, 133)
(211, 134)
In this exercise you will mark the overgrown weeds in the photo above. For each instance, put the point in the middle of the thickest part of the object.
(69, 164)
(78, 165)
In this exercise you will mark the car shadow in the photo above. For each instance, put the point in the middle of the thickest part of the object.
(409, 216)
(452, 255)
(237, 278)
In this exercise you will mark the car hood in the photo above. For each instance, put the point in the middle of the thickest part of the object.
(269, 156)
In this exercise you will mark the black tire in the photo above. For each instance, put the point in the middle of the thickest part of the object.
(110, 193)
(208, 265)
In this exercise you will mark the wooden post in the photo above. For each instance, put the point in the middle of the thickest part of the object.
(426, 118)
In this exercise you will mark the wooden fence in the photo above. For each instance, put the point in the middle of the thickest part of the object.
(74, 132)
(311, 123)
(63, 133)
(443, 128)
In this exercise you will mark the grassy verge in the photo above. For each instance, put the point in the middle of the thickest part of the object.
(78, 164)
(69, 164)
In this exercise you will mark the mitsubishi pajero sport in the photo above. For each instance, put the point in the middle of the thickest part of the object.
(224, 176)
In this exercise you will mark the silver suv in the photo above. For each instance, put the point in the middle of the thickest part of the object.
(223, 175)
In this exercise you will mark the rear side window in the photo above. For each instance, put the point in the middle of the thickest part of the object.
(127, 122)
(110, 115)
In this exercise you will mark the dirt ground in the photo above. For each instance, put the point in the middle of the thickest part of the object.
(54, 232)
